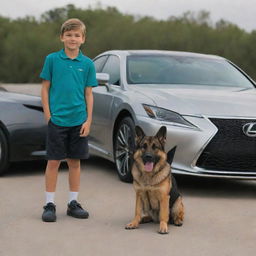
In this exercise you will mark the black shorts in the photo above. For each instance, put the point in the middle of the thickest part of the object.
(65, 142)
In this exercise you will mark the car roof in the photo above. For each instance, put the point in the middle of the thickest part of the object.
(162, 52)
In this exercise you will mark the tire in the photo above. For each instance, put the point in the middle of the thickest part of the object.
(124, 145)
(4, 163)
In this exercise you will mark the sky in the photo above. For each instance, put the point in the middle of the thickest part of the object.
(239, 12)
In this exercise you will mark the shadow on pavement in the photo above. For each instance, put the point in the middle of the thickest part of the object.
(216, 187)
(26, 168)
(101, 163)
(38, 167)
(188, 185)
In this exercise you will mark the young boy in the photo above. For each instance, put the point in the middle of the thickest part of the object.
(67, 99)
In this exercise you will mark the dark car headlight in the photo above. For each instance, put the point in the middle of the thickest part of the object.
(165, 115)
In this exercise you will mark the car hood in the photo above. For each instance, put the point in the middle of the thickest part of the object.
(20, 98)
(202, 100)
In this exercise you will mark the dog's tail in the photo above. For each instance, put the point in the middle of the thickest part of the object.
(170, 155)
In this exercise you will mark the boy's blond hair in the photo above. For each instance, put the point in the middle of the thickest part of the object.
(73, 24)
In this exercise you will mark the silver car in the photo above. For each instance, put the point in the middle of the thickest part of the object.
(207, 103)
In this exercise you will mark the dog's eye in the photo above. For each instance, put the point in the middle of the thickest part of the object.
(154, 146)
(145, 146)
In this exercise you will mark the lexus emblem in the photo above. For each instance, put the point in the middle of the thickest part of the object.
(249, 129)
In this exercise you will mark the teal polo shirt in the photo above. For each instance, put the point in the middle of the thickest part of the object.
(69, 78)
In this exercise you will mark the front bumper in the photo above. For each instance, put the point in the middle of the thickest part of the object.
(193, 156)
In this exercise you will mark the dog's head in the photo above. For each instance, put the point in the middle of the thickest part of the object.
(150, 150)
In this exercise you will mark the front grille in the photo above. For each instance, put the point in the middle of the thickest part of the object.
(230, 149)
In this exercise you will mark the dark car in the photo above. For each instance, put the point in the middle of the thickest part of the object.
(22, 128)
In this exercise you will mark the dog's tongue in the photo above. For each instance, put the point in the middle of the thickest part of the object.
(149, 166)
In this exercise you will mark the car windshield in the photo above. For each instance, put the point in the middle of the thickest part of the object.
(163, 69)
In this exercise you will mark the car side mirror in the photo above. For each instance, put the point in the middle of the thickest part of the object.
(103, 78)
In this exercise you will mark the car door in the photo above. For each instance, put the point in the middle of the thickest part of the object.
(101, 130)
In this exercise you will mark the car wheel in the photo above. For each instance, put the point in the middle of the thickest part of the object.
(124, 144)
(3, 153)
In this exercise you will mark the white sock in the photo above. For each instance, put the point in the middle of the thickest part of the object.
(49, 197)
(72, 196)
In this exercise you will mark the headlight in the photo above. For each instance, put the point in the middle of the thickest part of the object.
(162, 114)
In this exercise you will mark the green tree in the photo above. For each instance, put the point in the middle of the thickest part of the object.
(25, 42)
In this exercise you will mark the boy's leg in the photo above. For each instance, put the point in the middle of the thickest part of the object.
(51, 175)
(74, 174)
(74, 208)
(74, 178)
(57, 138)
(56, 142)
(77, 149)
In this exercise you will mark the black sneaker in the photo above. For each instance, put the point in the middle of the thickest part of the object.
(49, 214)
(75, 210)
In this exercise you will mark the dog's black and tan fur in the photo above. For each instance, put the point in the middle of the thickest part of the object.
(153, 183)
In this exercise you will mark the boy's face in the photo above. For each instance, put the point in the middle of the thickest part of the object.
(72, 39)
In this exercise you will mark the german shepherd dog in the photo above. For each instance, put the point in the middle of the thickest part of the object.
(157, 197)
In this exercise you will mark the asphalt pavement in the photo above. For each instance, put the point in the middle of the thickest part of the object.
(219, 218)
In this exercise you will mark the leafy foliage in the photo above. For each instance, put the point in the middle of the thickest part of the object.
(26, 41)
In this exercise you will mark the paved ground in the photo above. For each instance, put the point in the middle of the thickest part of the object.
(220, 216)
(32, 89)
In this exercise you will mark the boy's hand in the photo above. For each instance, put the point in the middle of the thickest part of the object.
(47, 118)
(85, 129)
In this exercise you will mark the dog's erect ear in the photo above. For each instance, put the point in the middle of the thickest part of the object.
(139, 135)
(161, 135)
(170, 155)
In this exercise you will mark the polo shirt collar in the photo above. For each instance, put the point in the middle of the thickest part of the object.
(63, 55)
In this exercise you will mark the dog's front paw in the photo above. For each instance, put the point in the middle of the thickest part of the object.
(163, 229)
(178, 223)
(132, 225)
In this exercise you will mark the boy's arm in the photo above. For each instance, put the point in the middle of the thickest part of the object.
(89, 106)
(45, 99)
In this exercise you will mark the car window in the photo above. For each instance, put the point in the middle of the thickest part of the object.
(112, 67)
(160, 69)
(99, 63)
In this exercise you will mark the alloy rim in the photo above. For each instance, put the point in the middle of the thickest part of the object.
(123, 149)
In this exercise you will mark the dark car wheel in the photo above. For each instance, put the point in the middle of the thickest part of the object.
(124, 144)
(3, 153)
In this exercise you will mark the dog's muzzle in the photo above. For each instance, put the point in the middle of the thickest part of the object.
(148, 160)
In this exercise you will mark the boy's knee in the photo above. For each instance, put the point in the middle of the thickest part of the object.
(53, 163)
(73, 163)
